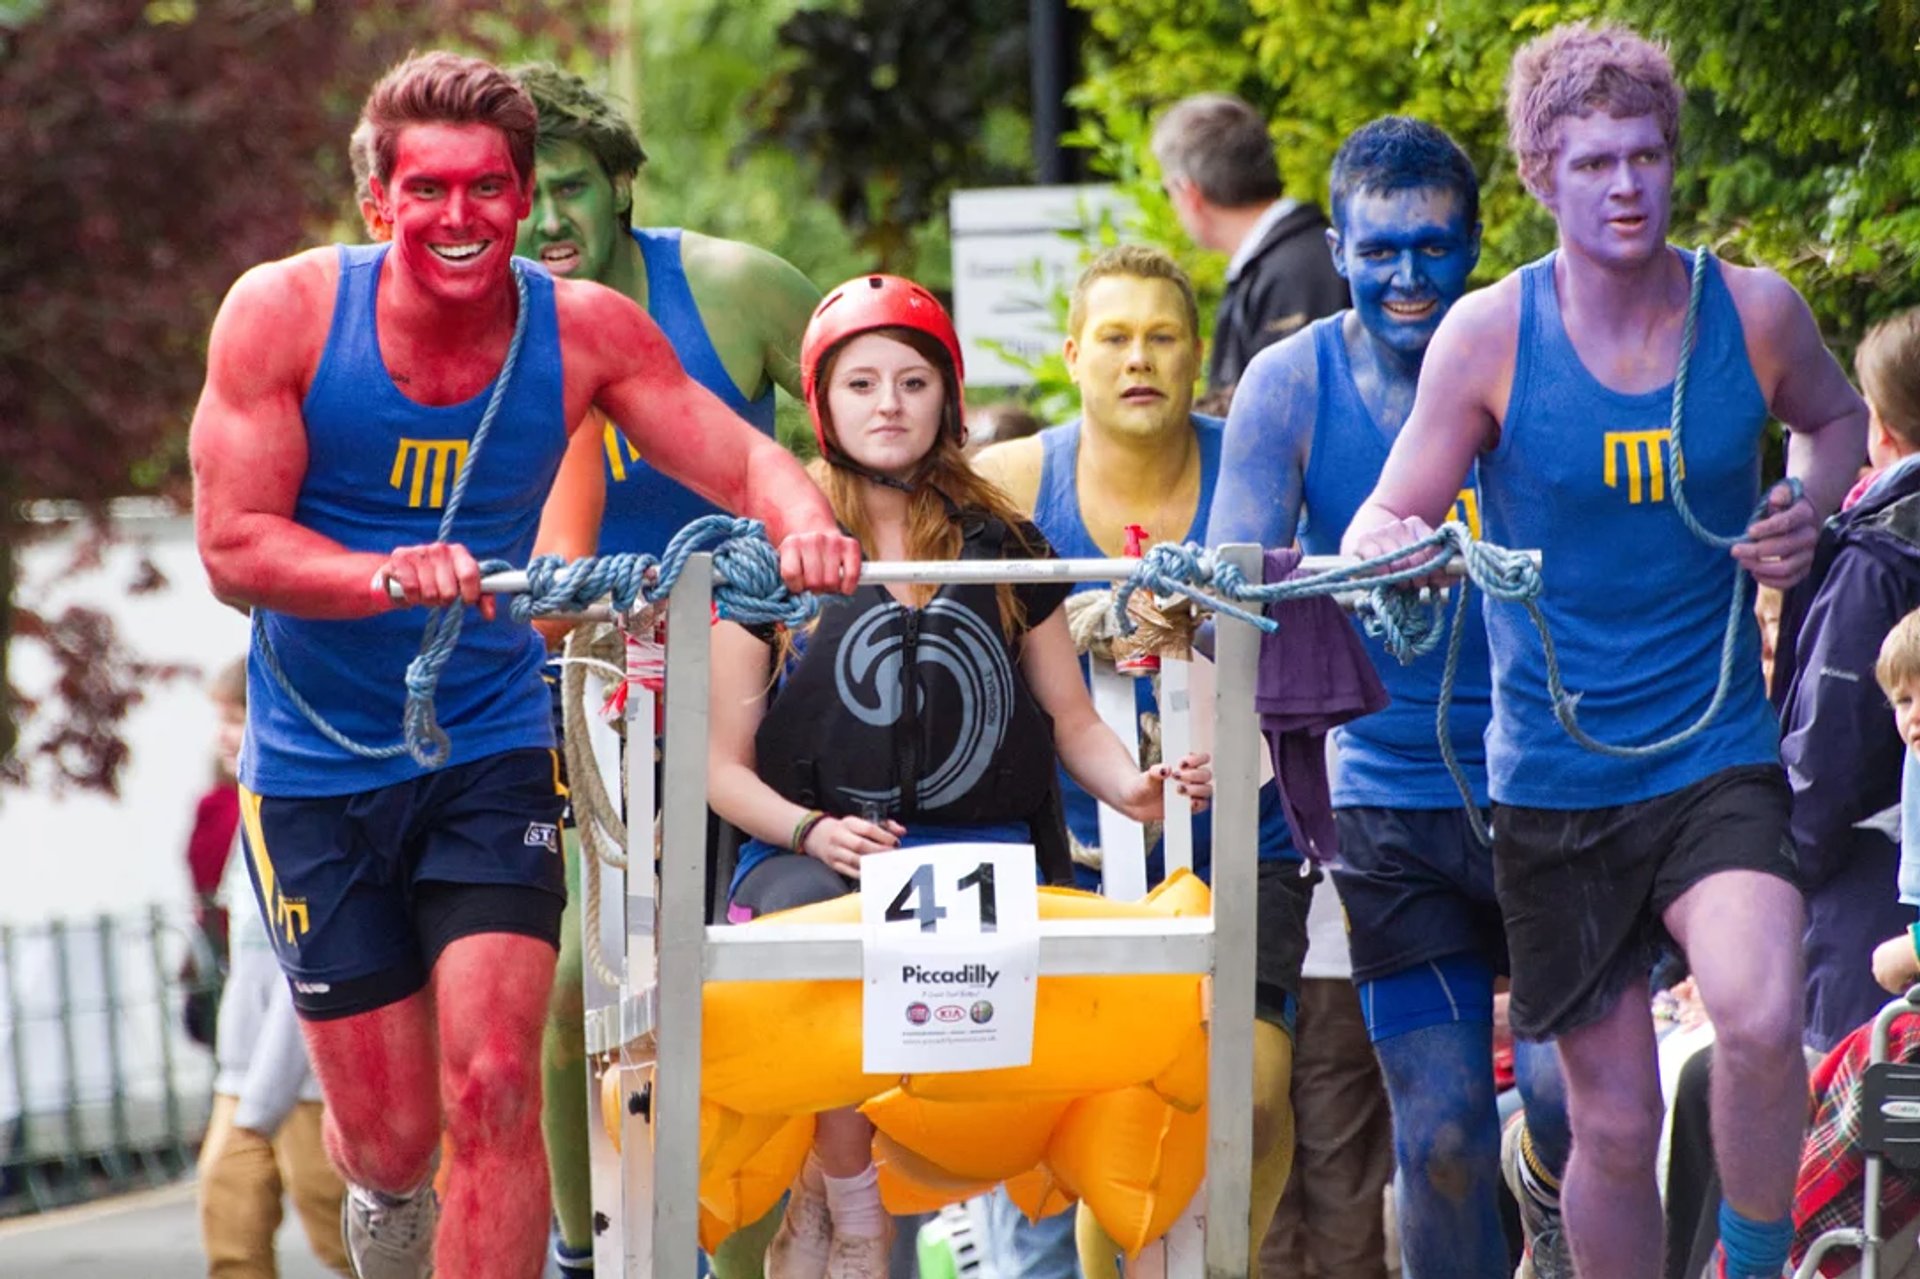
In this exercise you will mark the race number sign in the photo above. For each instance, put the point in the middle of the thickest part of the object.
(951, 953)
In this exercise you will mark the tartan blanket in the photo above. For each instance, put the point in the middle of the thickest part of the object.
(1831, 1186)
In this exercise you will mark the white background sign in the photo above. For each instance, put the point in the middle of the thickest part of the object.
(952, 951)
(1013, 252)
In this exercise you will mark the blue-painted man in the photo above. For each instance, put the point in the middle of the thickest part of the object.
(1310, 428)
(1559, 384)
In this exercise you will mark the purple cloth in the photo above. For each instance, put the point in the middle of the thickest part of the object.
(1314, 675)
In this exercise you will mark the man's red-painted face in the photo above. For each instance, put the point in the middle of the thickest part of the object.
(455, 203)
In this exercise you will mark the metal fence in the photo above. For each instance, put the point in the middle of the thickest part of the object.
(101, 1088)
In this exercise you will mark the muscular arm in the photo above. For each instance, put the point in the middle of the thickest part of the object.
(756, 306)
(248, 446)
(1805, 387)
(1463, 388)
(570, 521)
(1269, 438)
(620, 362)
(1827, 423)
(1014, 468)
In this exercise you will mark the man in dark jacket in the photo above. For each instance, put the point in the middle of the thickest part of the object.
(1838, 741)
(1216, 162)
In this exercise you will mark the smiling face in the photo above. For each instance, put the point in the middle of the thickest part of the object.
(576, 223)
(1135, 356)
(454, 204)
(1612, 192)
(885, 401)
(1406, 256)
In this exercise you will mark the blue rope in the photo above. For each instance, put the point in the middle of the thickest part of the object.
(747, 585)
(424, 739)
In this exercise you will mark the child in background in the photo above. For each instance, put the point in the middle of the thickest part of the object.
(1896, 961)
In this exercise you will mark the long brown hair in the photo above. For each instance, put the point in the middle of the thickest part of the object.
(944, 481)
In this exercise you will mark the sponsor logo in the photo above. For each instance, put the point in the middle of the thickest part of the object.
(967, 975)
(950, 1012)
(543, 835)
(426, 469)
(312, 987)
(1640, 454)
(981, 1012)
(1834, 672)
(918, 1013)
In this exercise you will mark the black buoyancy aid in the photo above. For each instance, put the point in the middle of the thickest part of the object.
(921, 714)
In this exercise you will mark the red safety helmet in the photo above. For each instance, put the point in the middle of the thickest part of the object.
(860, 306)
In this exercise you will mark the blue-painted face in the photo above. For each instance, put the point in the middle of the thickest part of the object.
(1406, 256)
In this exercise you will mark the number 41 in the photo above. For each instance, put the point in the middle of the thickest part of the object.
(926, 908)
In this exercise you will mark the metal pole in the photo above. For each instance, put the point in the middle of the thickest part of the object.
(63, 985)
(122, 1147)
(156, 925)
(1049, 58)
(682, 929)
(1236, 851)
(897, 572)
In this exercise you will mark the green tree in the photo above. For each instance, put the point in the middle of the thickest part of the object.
(1796, 151)
(154, 149)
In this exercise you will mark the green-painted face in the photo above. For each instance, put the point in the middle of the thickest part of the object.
(575, 224)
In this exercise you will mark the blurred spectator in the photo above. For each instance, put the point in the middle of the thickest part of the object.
(1216, 401)
(263, 1138)
(1217, 165)
(216, 818)
(999, 421)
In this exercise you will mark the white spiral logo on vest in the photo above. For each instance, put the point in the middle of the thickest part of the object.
(953, 640)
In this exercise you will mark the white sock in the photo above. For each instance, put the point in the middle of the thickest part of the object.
(811, 1176)
(855, 1204)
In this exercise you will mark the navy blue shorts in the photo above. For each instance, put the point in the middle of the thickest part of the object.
(1417, 886)
(362, 892)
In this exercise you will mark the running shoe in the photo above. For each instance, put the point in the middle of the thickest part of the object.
(1545, 1255)
(859, 1256)
(800, 1246)
(389, 1240)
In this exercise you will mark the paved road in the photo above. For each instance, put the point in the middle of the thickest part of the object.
(150, 1235)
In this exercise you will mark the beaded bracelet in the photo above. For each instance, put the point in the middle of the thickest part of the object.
(803, 828)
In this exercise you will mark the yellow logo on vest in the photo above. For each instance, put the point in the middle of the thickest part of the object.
(427, 469)
(1466, 510)
(287, 914)
(1644, 459)
(620, 451)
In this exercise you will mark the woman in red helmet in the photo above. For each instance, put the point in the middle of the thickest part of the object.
(906, 714)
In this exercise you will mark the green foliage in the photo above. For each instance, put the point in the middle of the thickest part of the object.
(892, 104)
(1797, 149)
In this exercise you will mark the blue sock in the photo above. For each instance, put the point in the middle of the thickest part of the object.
(571, 1263)
(1754, 1247)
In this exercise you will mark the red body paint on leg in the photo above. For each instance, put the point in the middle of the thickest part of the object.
(379, 1073)
(492, 994)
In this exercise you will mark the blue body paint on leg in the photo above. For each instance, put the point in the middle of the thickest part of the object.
(1432, 1028)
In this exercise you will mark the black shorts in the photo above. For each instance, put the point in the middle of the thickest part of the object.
(362, 892)
(1583, 890)
(1283, 893)
(1417, 886)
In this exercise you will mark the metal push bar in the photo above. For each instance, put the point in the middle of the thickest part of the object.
(648, 1216)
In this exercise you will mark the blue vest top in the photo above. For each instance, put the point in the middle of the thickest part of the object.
(379, 470)
(1391, 758)
(1056, 511)
(1636, 603)
(645, 508)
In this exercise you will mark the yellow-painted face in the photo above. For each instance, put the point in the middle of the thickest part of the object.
(1135, 357)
